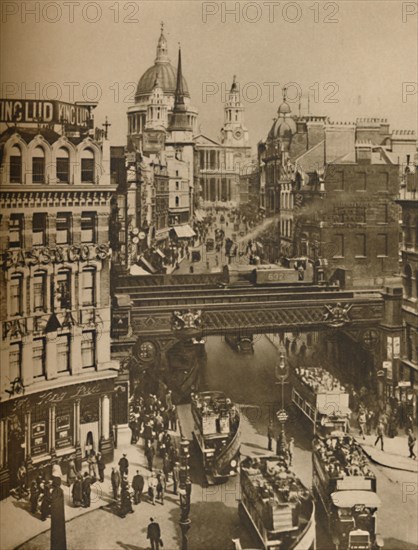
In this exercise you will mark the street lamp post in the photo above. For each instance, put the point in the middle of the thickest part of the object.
(185, 491)
(281, 373)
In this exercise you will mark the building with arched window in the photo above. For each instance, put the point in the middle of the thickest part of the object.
(57, 374)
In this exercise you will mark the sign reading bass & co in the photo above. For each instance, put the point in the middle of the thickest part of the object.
(46, 255)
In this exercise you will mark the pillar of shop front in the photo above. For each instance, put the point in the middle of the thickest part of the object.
(106, 442)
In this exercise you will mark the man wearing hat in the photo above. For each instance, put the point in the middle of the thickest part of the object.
(154, 534)
(137, 486)
(123, 465)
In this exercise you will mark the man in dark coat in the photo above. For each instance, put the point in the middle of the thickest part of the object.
(58, 536)
(87, 481)
(101, 467)
(150, 453)
(154, 534)
(123, 466)
(115, 479)
(77, 491)
(138, 487)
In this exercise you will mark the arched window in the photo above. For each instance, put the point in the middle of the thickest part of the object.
(88, 287)
(15, 169)
(63, 166)
(87, 166)
(38, 165)
(408, 281)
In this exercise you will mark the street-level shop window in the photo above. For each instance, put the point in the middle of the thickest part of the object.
(87, 166)
(88, 277)
(38, 165)
(88, 227)
(16, 230)
(64, 426)
(15, 169)
(15, 361)
(39, 229)
(39, 291)
(88, 349)
(39, 430)
(64, 220)
(63, 289)
(16, 295)
(38, 357)
(63, 353)
(63, 166)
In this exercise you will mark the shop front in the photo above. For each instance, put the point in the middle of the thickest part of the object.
(49, 427)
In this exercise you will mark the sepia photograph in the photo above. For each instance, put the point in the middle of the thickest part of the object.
(209, 275)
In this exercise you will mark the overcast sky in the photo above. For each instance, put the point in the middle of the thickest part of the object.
(354, 58)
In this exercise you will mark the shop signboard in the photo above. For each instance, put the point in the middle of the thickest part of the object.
(63, 431)
(39, 438)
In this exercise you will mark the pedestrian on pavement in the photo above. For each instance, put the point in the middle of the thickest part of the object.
(161, 486)
(270, 435)
(291, 449)
(92, 463)
(380, 432)
(125, 498)
(172, 415)
(411, 443)
(87, 481)
(149, 454)
(45, 500)
(77, 491)
(152, 488)
(176, 477)
(362, 422)
(34, 495)
(138, 487)
(123, 466)
(115, 480)
(369, 421)
(72, 471)
(154, 535)
(101, 467)
(21, 478)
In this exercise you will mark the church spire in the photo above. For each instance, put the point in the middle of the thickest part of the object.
(179, 118)
(179, 97)
(234, 87)
(162, 50)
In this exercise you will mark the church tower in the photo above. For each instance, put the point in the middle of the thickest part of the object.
(234, 133)
(157, 108)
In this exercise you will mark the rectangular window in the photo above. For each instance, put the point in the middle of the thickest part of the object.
(87, 170)
(64, 227)
(39, 292)
(339, 246)
(15, 361)
(88, 227)
(88, 350)
(360, 245)
(63, 170)
(361, 182)
(38, 357)
(382, 245)
(88, 277)
(39, 229)
(383, 213)
(16, 302)
(63, 290)
(15, 174)
(38, 170)
(16, 230)
(339, 181)
(63, 353)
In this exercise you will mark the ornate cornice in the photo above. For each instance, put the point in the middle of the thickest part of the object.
(47, 198)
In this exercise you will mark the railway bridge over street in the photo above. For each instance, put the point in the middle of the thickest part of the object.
(148, 311)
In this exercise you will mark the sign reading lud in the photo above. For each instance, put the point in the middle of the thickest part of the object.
(27, 111)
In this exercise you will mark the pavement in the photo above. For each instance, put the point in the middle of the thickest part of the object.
(17, 512)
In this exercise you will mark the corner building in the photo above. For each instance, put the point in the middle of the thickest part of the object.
(57, 376)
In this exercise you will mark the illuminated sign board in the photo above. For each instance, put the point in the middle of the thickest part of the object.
(26, 111)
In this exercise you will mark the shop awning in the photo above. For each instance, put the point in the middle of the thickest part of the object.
(348, 499)
(148, 266)
(138, 270)
(184, 231)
